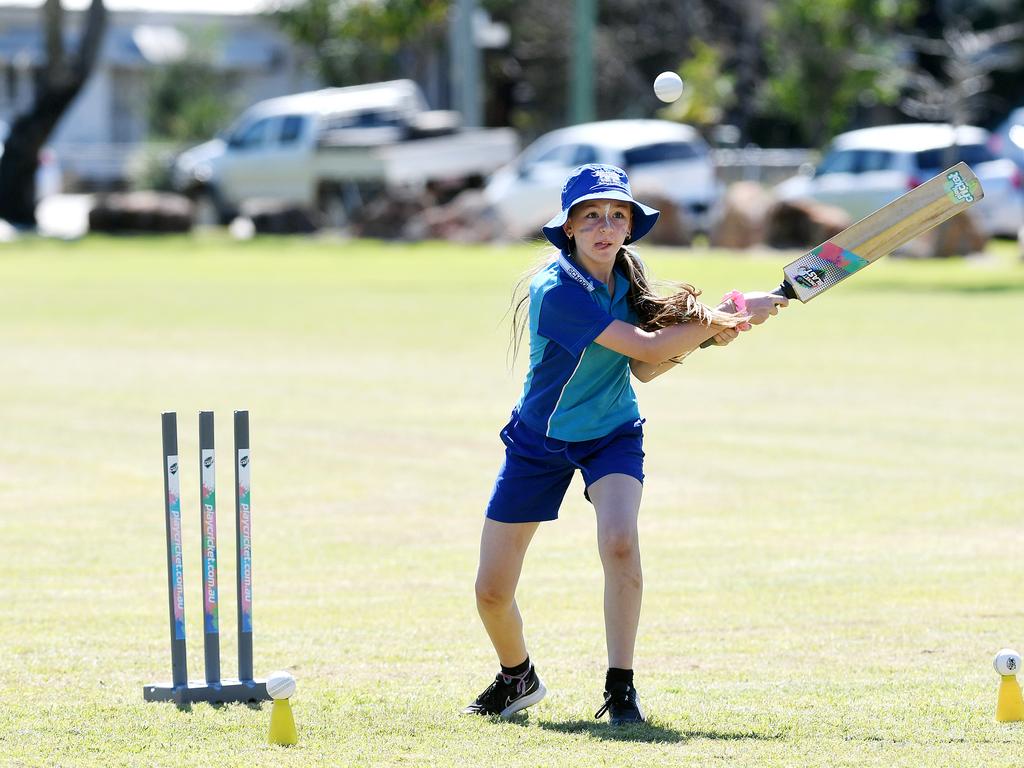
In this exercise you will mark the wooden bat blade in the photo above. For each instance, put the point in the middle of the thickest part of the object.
(882, 232)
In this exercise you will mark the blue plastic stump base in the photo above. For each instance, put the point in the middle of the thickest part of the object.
(224, 692)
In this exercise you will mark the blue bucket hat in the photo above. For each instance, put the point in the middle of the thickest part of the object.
(595, 181)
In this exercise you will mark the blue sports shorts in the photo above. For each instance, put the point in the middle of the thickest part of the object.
(538, 469)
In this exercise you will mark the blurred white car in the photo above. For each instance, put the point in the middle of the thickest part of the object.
(1008, 137)
(865, 169)
(49, 178)
(660, 156)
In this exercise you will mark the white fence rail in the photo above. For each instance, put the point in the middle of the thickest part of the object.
(93, 165)
(767, 166)
(96, 164)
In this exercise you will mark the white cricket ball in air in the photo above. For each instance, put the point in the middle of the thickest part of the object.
(668, 86)
(1007, 662)
(280, 685)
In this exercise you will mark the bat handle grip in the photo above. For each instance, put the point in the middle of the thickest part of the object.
(784, 290)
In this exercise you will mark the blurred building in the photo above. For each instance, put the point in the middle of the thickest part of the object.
(109, 120)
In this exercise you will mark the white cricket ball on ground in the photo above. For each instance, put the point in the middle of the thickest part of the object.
(668, 86)
(1007, 662)
(280, 685)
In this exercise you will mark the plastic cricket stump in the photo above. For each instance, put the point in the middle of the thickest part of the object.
(213, 689)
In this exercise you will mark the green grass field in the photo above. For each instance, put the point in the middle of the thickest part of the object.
(831, 528)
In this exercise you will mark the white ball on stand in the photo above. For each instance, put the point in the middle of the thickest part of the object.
(1007, 662)
(280, 685)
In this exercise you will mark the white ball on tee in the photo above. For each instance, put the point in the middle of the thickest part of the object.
(668, 86)
(1007, 662)
(280, 685)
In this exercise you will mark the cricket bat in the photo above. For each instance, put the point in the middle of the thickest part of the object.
(880, 233)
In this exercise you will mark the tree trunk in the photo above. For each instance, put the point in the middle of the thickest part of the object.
(57, 85)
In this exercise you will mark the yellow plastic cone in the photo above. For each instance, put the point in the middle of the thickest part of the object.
(282, 724)
(1010, 707)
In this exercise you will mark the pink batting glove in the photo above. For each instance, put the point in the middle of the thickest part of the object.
(740, 302)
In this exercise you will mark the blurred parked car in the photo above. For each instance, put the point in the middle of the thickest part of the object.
(660, 157)
(865, 169)
(49, 179)
(319, 149)
(1008, 138)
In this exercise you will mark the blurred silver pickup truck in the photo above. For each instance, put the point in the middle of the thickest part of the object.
(323, 150)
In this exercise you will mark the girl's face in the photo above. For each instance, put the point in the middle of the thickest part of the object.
(599, 227)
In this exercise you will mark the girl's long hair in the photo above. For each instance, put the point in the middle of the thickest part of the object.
(658, 304)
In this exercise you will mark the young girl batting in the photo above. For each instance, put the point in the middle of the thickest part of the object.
(593, 320)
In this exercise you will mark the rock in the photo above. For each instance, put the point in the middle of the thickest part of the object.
(242, 228)
(64, 216)
(467, 218)
(272, 217)
(803, 223)
(744, 218)
(958, 236)
(141, 212)
(8, 234)
(673, 227)
(387, 215)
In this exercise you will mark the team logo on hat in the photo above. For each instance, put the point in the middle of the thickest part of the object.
(608, 175)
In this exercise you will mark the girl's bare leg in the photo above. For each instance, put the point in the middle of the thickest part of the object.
(502, 550)
(616, 501)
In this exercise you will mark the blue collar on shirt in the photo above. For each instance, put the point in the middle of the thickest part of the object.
(591, 284)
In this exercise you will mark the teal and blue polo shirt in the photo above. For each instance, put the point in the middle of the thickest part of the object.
(576, 389)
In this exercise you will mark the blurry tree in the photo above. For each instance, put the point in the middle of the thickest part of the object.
(973, 49)
(739, 36)
(190, 99)
(633, 41)
(957, 86)
(57, 83)
(782, 71)
(364, 40)
(358, 41)
(312, 23)
(958, 92)
(827, 56)
(708, 91)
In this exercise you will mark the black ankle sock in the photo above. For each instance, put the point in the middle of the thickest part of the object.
(618, 677)
(517, 670)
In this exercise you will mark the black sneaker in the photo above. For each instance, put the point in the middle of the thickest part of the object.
(507, 695)
(622, 704)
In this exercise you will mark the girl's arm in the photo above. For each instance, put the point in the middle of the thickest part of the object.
(646, 372)
(657, 347)
(649, 371)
